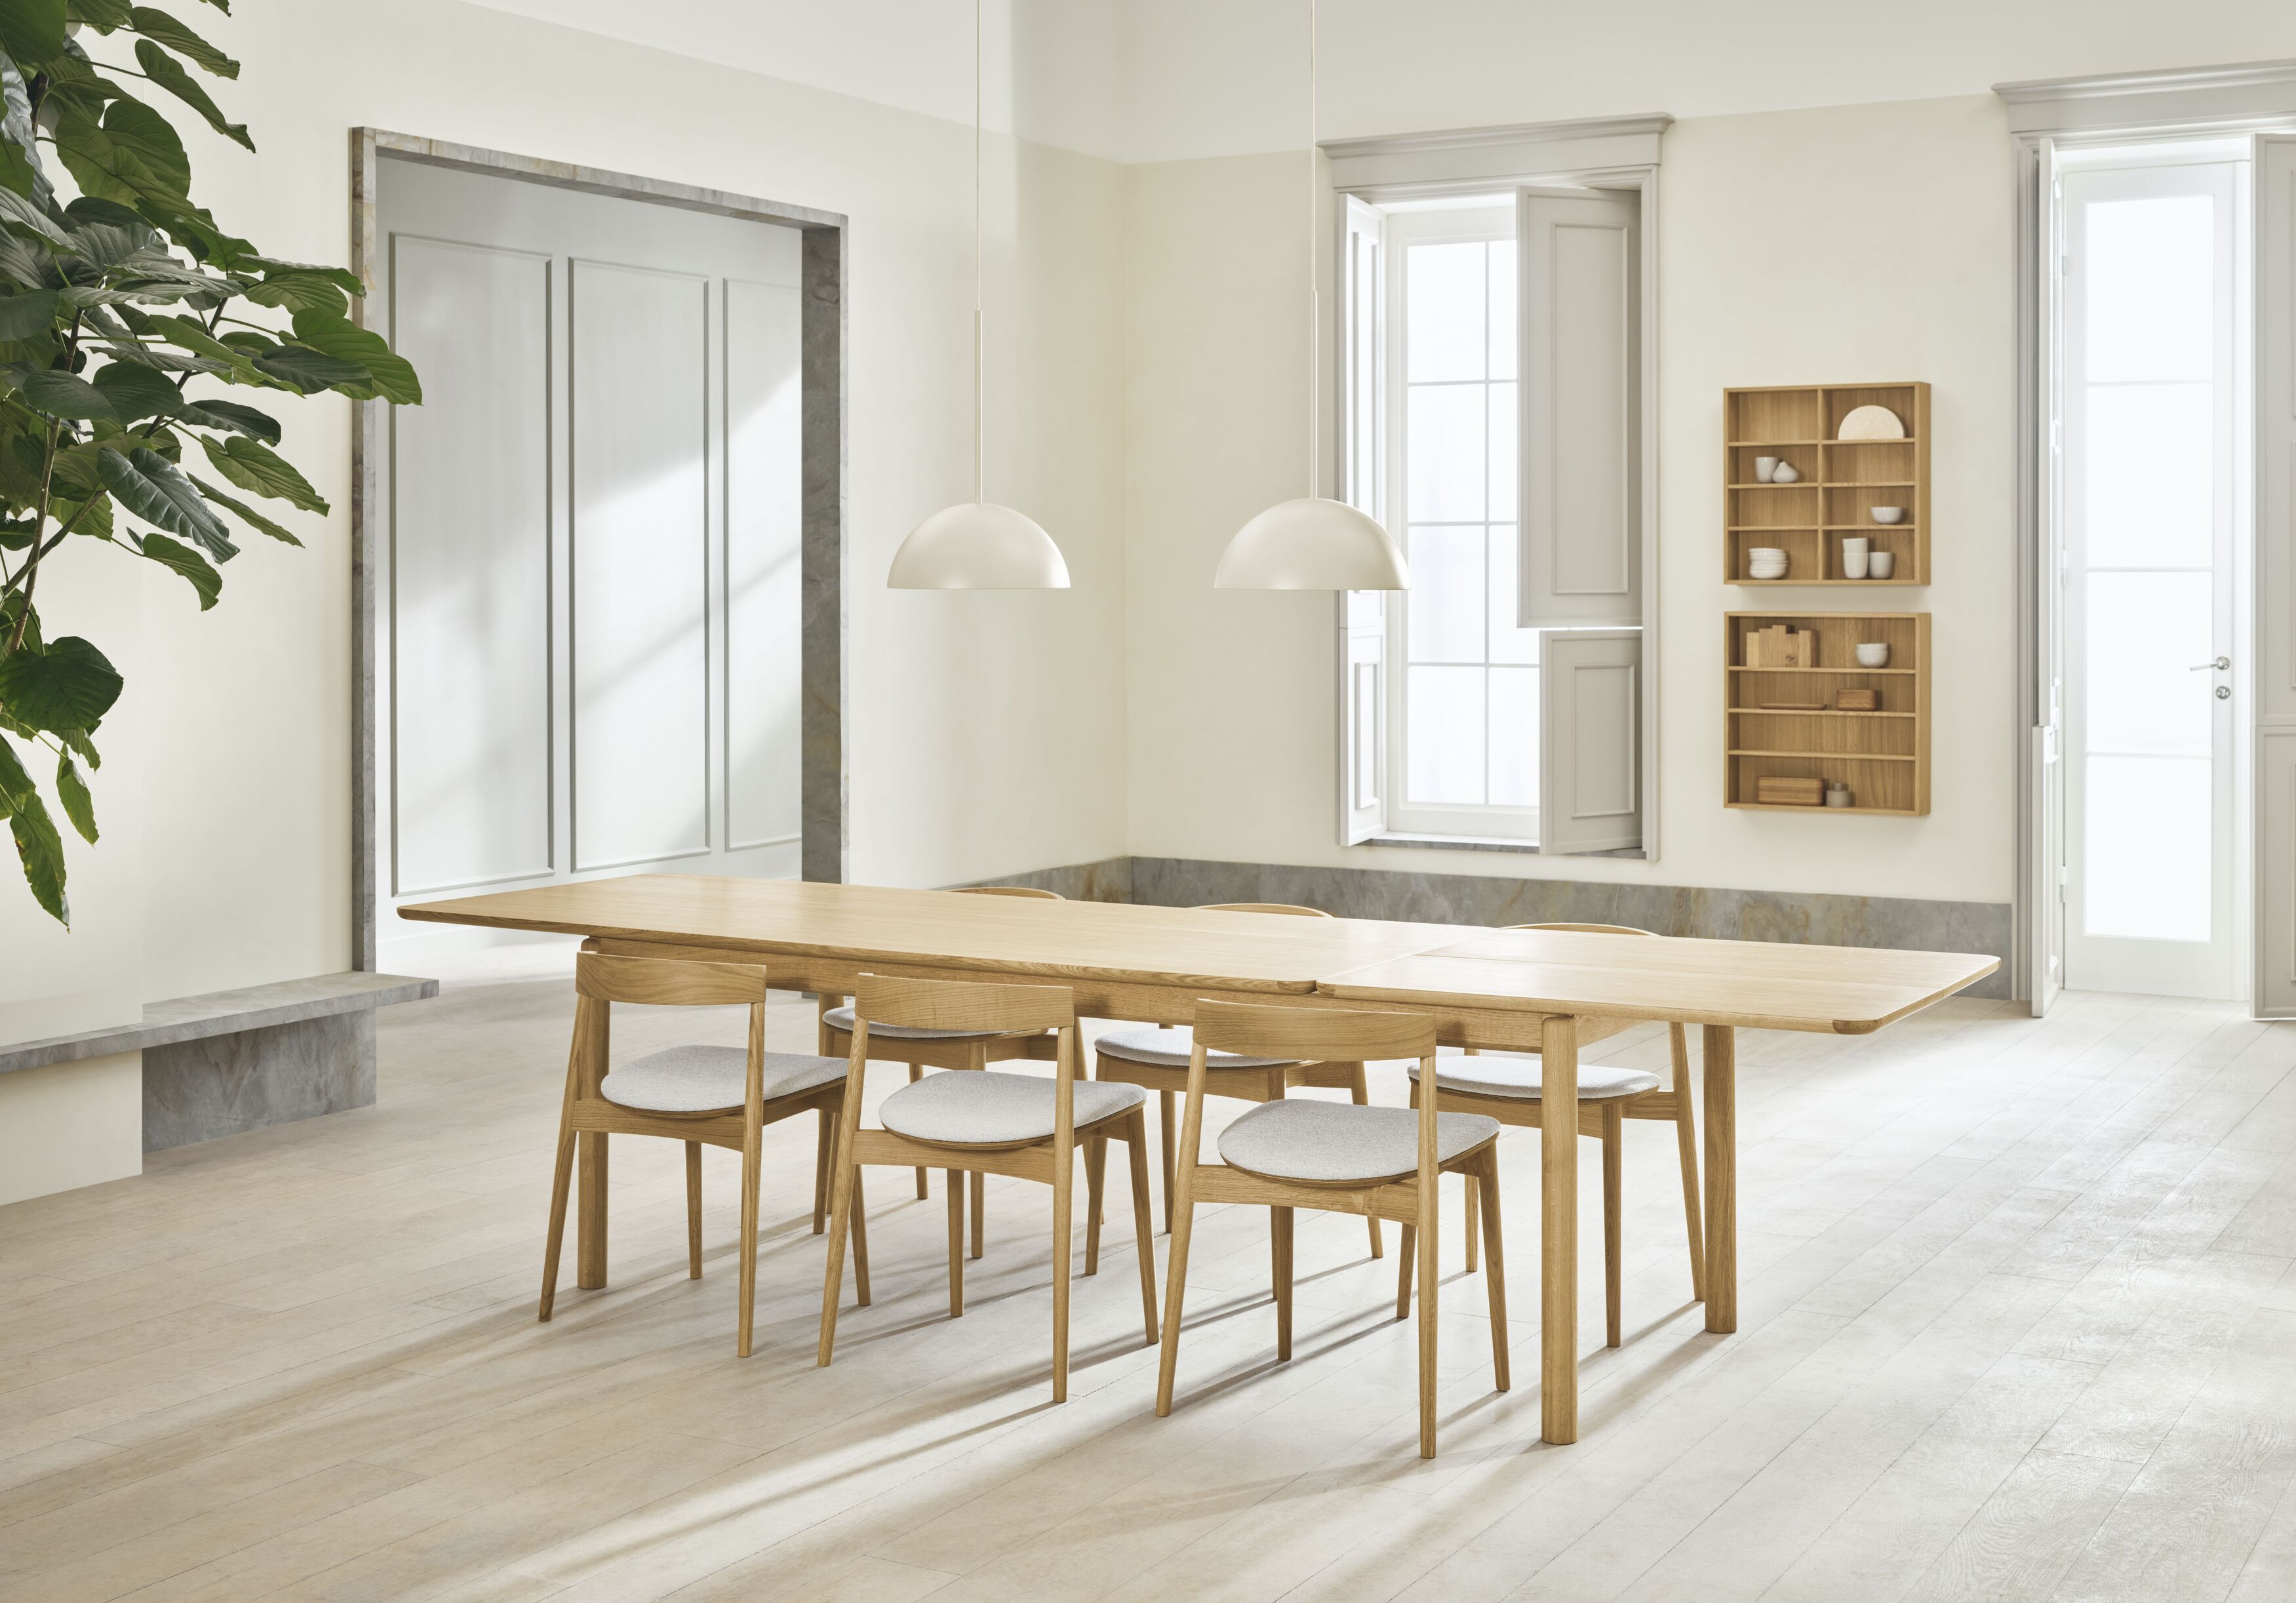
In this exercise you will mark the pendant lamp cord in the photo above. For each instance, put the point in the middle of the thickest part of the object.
(1314, 290)
(980, 319)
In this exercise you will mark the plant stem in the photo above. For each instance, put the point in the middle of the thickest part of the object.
(31, 574)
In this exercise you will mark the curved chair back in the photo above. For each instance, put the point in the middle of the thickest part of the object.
(961, 1005)
(667, 982)
(1262, 907)
(1028, 890)
(1253, 1030)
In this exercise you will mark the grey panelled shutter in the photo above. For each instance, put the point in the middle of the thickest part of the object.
(1362, 741)
(1590, 740)
(1581, 545)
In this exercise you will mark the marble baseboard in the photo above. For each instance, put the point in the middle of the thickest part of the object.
(196, 1091)
(1475, 899)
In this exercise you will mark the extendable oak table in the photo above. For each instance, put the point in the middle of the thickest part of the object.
(1543, 991)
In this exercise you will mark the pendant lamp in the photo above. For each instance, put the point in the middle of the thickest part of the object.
(977, 545)
(1313, 543)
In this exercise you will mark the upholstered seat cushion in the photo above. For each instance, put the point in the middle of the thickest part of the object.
(1340, 1141)
(977, 1107)
(699, 1080)
(841, 1018)
(1494, 1076)
(1170, 1048)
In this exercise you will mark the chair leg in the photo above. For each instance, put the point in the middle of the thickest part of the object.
(1685, 1146)
(751, 1154)
(980, 1211)
(917, 1073)
(1175, 1292)
(1170, 1133)
(1360, 1091)
(1473, 1231)
(694, 1209)
(1279, 1231)
(1095, 1177)
(1063, 1258)
(1613, 1175)
(956, 1244)
(860, 1243)
(1405, 1266)
(823, 1142)
(561, 1180)
(1495, 1272)
(1144, 1233)
(1431, 1194)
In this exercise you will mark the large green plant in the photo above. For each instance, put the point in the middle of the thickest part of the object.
(122, 314)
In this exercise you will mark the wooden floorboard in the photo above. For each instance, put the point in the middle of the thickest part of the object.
(2016, 1322)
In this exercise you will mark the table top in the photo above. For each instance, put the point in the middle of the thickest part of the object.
(1012, 934)
(1764, 985)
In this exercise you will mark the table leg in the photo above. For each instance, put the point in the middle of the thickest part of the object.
(1558, 1301)
(1721, 1077)
(590, 1211)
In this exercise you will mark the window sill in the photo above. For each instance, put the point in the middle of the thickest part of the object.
(1468, 842)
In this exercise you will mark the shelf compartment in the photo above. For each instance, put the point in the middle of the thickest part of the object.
(1882, 754)
(1848, 478)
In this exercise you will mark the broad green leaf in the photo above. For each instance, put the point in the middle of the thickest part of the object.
(342, 278)
(78, 740)
(160, 358)
(102, 15)
(15, 534)
(299, 293)
(11, 609)
(25, 261)
(193, 228)
(312, 371)
(190, 563)
(132, 156)
(153, 488)
(20, 149)
(235, 418)
(71, 790)
(136, 392)
(158, 25)
(91, 516)
(32, 30)
(253, 465)
(61, 395)
(70, 686)
(27, 213)
(15, 784)
(76, 475)
(41, 851)
(338, 336)
(168, 73)
(25, 315)
(248, 514)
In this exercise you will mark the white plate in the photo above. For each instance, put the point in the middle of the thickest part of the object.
(1870, 423)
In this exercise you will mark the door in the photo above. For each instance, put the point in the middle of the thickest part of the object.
(589, 662)
(2151, 397)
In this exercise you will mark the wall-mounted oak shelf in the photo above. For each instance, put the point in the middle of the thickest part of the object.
(1882, 755)
(1842, 481)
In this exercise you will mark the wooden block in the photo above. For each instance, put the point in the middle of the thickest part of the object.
(1785, 790)
(1858, 701)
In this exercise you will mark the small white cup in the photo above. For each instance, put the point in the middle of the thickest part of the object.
(1873, 654)
(1764, 466)
(1889, 514)
(1880, 564)
(1854, 554)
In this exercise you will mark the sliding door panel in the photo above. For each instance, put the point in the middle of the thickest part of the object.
(640, 546)
(470, 801)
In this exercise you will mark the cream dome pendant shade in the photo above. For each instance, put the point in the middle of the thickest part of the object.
(977, 545)
(1313, 543)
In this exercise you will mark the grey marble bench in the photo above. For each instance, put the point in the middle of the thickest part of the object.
(236, 1060)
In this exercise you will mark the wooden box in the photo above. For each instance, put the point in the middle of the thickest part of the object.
(1842, 481)
(1801, 719)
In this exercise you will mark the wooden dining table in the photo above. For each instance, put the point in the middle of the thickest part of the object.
(1549, 992)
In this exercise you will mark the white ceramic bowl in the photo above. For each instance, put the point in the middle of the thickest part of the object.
(1767, 553)
(1873, 654)
(1889, 514)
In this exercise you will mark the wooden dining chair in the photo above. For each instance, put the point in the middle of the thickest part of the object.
(1507, 1089)
(924, 1049)
(988, 1122)
(1386, 1162)
(700, 1095)
(1156, 1059)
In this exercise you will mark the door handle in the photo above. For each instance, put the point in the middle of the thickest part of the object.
(2220, 665)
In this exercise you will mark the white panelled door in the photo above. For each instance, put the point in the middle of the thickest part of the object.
(590, 657)
(2152, 381)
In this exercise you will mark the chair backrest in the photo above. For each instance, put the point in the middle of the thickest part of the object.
(1327, 1034)
(1262, 907)
(667, 982)
(1028, 890)
(961, 1005)
(1585, 929)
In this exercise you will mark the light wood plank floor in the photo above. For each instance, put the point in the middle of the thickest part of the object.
(2018, 1323)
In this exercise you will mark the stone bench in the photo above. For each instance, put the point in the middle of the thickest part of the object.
(237, 1060)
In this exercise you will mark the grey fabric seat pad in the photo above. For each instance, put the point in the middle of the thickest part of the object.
(1169, 1046)
(1518, 1077)
(700, 1080)
(1339, 1141)
(978, 1108)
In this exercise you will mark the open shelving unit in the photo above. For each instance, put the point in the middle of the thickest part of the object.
(1883, 756)
(1842, 481)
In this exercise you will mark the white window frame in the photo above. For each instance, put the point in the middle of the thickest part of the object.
(1616, 154)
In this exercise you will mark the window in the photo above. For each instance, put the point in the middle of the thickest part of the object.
(1446, 704)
